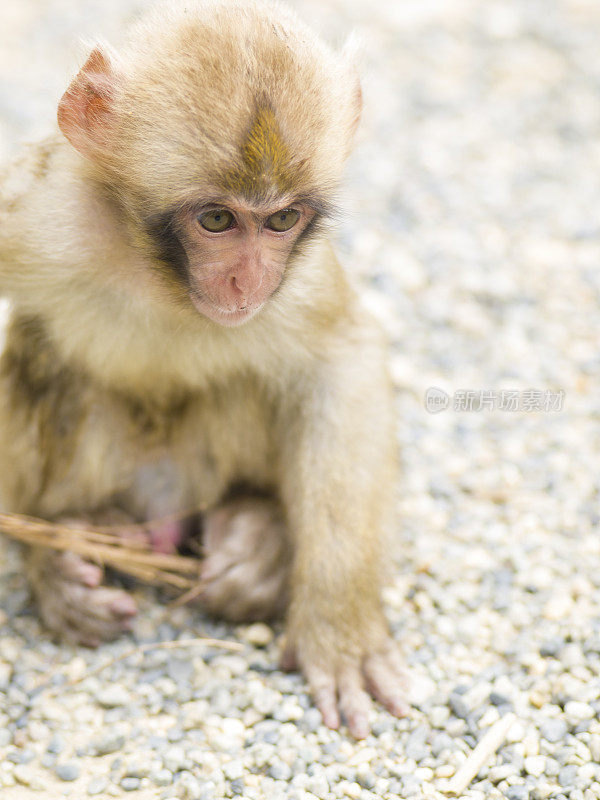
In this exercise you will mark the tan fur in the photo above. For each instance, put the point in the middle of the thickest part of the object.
(114, 385)
(264, 155)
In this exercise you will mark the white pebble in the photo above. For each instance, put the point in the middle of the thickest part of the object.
(535, 765)
(577, 711)
(258, 635)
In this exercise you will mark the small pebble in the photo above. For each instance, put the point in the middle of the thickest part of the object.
(112, 696)
(180, 670)
(576, 712)
(21, 756)
(517, 792)
(27, 777)
(130, 784)
(553, 730)
(233, 769)
(535, 765)
(48, 760)
(311, 720)
(68, 771)
(162, 777)
(280, 771)
(459, 707)
(175, 759)
(258, 634)
(552, 647)
(56, 745)
(567, 775)
(110, 742)
(97, 786)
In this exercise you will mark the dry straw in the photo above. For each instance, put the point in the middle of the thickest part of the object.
(108, 549)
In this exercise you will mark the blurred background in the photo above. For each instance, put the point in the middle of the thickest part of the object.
(474, 227)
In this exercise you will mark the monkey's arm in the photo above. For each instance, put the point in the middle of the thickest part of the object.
(338, 488)
(50, 222)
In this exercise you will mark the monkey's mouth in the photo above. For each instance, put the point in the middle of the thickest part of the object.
(224, 316)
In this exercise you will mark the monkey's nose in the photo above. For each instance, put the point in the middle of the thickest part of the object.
(246, 282)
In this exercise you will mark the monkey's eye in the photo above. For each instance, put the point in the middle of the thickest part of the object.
(283, 220)
(216, 221)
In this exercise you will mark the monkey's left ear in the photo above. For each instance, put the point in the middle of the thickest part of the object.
(84, 110)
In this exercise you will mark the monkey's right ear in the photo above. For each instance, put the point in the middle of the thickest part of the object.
(352, 53)
(84, 110)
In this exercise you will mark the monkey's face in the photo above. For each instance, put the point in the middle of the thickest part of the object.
(236, 255)
(221, 148)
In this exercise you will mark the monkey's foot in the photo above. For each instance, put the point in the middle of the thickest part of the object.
(246, 563)
(72, 601)
(341, 688)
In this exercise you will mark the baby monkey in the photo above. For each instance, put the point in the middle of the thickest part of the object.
(180, 329)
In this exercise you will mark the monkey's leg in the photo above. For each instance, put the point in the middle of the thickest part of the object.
(338, 487)
(246, 560)
(71, 600)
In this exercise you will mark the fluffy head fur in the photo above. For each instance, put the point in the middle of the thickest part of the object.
(236, 96)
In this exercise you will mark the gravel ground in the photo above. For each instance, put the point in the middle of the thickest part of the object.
(474, 223)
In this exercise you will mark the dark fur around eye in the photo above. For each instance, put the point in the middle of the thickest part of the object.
(169, 250)
(313, 230)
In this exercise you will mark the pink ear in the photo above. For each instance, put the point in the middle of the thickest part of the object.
(84, 110)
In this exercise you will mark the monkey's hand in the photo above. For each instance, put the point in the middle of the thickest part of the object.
(71, 599)
(342, 680)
